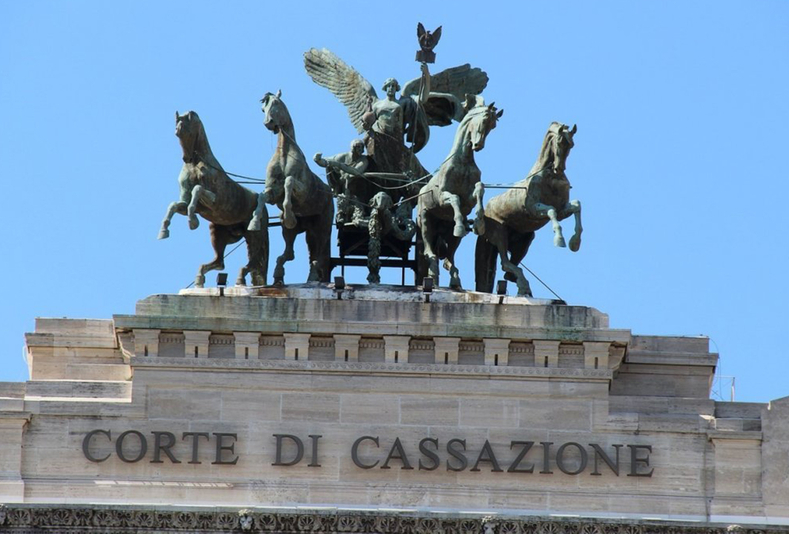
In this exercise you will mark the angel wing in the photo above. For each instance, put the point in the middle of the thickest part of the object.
(457, 81)
(350, 87)
(448, 90)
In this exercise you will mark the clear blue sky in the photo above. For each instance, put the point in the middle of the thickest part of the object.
(682, 122)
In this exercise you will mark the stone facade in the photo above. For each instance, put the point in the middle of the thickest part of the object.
(370, 400)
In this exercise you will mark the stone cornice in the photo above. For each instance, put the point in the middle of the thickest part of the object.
(448, 370)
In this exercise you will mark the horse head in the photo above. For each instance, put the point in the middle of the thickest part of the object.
(478, 123)
(276, 113)
(561, 142)
(191, 134)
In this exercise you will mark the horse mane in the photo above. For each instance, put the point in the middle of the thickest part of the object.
(199, 144)
(285, 108)
(546, 151)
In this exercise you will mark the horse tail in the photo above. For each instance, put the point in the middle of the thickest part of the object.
(485, 265)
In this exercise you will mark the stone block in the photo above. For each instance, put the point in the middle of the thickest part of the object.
(555, 414)
(221, 346)
(246, 406)
(184, 404)
(429, 411)
(485, 412)
(421, 351)
(369, 408)
(309, 406)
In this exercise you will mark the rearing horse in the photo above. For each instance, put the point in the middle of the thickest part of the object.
(306, 202)
(446, 200)
(513, 217)
(207, 190)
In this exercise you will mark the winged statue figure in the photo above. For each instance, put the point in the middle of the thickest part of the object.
(390, 122)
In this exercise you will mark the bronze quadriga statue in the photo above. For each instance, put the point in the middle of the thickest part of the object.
(207, 190)
(512, 218)
(379, 181)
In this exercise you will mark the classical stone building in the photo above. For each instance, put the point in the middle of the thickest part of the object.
(306, 409)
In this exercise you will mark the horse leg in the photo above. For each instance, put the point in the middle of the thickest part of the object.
(257, 218)
(544, 210)
(220, 237)
(429, 240)
(311, 237)
(574, 207)
(449, 262)
(173, 208)
(199, 193)
(288, 218)
(375, 229)
(518, 245)
(524, 289)
(460, 221)
(479, 216)
(289, 236)
(257, 252)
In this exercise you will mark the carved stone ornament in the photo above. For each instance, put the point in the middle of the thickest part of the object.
(22, 519)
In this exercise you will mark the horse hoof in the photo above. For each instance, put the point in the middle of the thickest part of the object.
(194, 222)
(455, 284)
(479, 227)
(559, 242)
(199, 281)
(575, 243)
(164, 234)
(254, 225)
(460, 230)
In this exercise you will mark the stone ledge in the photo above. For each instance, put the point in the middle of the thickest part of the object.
(23, 519)
(298, 310)
(672, 358)
(449, 370)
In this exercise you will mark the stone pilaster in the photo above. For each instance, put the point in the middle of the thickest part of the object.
(12, 486)
(196, 343)
(297, 346)
(596, 354)
(247, 345)
(545, 350)
(396, 349)
(447, 349)
(497, 351)
(346, 344)
(146, 342)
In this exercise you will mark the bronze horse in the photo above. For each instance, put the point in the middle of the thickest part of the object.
(449, 196)
(208, 191)
(306, 202)
(512, 218)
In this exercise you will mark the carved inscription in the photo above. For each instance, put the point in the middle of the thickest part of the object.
(373, 452)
